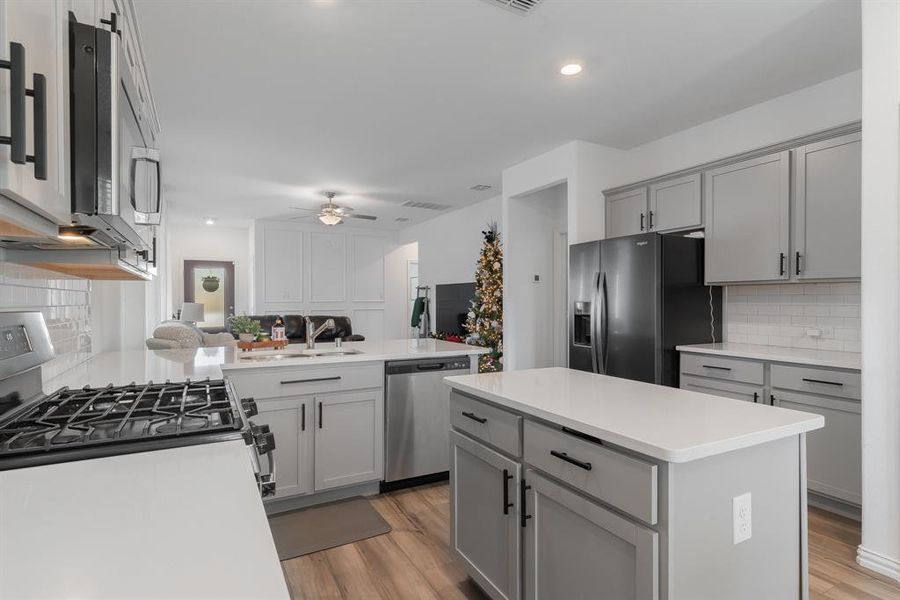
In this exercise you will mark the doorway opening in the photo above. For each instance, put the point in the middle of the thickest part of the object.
(210, 283)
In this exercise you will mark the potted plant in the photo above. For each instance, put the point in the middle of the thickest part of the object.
(246, 328)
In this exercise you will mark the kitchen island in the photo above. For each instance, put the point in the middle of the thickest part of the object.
(566, 484)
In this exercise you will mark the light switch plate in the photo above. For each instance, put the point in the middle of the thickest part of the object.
(742, 518)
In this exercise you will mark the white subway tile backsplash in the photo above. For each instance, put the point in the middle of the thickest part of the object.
(65, 304)
(781, 315)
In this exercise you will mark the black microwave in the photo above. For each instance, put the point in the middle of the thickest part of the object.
(116, 187)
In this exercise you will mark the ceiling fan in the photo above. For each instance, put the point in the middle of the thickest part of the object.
(331, 213)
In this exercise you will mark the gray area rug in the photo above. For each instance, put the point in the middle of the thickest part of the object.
(315, 528)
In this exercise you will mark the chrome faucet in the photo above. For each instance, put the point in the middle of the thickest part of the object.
(312, 333)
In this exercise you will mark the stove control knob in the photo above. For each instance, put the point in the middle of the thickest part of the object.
(264, 439)
(249, 406)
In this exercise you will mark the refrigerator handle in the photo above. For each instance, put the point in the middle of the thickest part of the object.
(595, 339)
(603, 340)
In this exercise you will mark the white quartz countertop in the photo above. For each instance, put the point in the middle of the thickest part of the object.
(802, 356)
(179, 523)
(670, 424)
(120, 368)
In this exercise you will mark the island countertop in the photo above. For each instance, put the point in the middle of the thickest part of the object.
(666, 423)
(127, 366)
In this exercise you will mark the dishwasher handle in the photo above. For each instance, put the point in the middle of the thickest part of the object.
(431, 367)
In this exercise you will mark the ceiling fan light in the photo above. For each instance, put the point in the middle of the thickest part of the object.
(330, 218)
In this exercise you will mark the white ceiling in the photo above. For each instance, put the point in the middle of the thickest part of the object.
(266, 104)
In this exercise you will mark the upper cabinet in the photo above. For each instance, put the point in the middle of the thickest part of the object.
(626, 213)
(34, 106)
(666, 206)
(747, 220)
(790, 212)
(675, 204)
(828, 180)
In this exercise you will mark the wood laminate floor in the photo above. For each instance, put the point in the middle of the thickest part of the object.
(413, 561)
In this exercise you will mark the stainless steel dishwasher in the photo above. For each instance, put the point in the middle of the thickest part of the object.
(417, 418)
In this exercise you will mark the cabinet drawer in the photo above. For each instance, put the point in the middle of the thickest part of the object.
(732, 369)
(279, 382)
(490, 424)
(615, 478)
(845, 384)
(738, 391)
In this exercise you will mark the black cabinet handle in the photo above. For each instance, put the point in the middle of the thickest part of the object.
(16, 138)
(523, 488)
(642, 221)
(475, 417)
(650, 220)
(837, 383)
(303, 417)
(39, 93)
(578, 463)
(771, 399)
(781, 263)
(755, 397)
(797, 263)
(320, 415)
(313, 380)
(717, 368)
(506, 503)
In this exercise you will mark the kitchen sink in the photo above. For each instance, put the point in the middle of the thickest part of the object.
(261, 357)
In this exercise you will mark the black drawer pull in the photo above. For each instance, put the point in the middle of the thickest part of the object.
(313, 380)
(755, 396)
(838, 383)
(303, 417)
(772, 399)
(717, 368)
(506, 503)
(522, 489)
(578, 463)
(475, 417)
(320, 415)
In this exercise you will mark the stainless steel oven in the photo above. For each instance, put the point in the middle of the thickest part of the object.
(116, 191)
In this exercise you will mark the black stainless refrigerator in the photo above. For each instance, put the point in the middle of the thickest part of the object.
(633, 299)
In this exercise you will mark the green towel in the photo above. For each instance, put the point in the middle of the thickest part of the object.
(417, 311)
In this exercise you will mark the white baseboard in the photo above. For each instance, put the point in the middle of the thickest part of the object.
(884, 565)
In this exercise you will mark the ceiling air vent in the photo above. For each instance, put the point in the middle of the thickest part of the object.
(519, 6)
(425, 205)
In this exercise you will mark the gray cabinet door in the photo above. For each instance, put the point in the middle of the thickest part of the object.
(626, 213)
(484, 522)
(349, 434)
(289, 420)
(827, 208)
(747, 220)
(834, 453)
(575, 548)
(675, 204)
(738, 391)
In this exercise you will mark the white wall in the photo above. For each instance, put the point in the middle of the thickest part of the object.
(821, 106)
(209, 242)
(880, 548)
(530, 329)
(449, 245)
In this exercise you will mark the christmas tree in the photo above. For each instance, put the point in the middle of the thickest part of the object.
(485, 318)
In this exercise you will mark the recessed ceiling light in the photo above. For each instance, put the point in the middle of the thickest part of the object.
(209, 220)
(402, 219)
(571, 69)
(480, 187)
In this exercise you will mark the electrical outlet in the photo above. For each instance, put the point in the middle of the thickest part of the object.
(813, 332)
(742, 518)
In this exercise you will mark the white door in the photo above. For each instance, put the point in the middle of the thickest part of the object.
(747, 220)
(626, 213)
(484, 519)
(827, 209)
(575, 548)
(290, 420)
(41, 27)
(349, 438)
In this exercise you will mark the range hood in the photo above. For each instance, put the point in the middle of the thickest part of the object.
(29, 239)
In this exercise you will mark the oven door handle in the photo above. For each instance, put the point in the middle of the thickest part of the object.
(264, 445)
